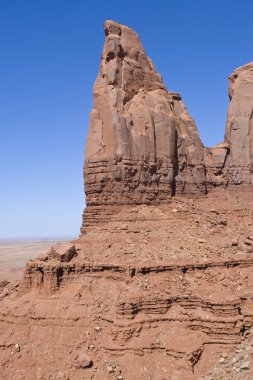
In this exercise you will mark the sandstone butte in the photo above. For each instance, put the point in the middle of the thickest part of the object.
(160, 283)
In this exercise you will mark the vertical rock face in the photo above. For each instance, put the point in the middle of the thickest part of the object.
(142, 144)
(239, 126)
(166, 288)
(230, 164)
(215, 160)
(143, 147)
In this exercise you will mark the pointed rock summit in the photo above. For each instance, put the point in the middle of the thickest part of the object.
(162, 286)
(143, 147)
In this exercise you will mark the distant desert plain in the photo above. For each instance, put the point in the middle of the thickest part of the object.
(14, 255)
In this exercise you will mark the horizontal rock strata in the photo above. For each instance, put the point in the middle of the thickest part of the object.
(143, 147)
(160, 283)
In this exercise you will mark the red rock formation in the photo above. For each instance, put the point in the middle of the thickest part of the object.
(166, 288)
(239, 126)
(230, 164)
(142, 144)
(143, 147)
(156, 291)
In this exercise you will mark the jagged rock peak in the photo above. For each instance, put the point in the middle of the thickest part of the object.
(142, 144)
(143, 147)
(123, 44)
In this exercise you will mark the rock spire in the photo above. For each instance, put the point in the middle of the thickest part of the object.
(143, 147)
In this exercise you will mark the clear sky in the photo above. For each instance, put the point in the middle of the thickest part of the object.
(49, 58)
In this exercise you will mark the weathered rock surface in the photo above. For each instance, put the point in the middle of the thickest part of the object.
(158, 292)
(143, 147)
(230, 164)
(63, 251)
(239, 127)
(162, 285)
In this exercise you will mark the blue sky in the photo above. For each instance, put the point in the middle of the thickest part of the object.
(49, 59)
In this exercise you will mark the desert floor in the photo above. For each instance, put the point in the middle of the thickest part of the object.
(14, 255)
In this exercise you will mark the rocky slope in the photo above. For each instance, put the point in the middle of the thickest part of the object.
(160, 283)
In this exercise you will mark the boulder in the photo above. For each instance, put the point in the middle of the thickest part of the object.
(84, 361)
(63, 252)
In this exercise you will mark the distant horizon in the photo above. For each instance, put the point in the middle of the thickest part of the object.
(38, 238)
